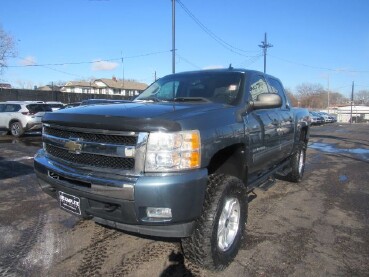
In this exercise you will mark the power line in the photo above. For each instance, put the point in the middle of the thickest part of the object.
(64, 72)
(187, 61)
(251, 60)
(320, 68)
(222, 42)
(90, 62)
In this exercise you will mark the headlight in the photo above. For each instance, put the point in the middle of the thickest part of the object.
(173, 151)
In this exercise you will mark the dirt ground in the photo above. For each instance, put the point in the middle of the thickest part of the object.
(319, 227)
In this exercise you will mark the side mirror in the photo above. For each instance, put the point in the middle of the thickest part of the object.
(267, 101)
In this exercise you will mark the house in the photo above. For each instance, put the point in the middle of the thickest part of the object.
(106, 86)
(78, 87)
(5, 85)
(49, 88)
(115, 86)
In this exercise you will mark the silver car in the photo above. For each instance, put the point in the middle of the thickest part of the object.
(19, 117)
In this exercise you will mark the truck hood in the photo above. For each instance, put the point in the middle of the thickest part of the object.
(130, 116)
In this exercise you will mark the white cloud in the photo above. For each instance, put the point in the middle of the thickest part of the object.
(213, 67)
(29, 60)
(103, 65)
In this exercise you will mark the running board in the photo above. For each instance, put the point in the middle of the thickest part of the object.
(267, 178)
(267, 184)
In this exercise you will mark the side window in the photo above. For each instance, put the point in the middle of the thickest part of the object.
(258, 86)
(277, 87)
(11, 108)
(2, 107)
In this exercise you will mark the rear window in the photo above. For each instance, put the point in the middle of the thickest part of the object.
(35, 108)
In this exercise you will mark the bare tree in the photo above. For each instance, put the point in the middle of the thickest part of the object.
(25, 84)
(362, 97)
(7, 48)
(293, 100)
(309, 95)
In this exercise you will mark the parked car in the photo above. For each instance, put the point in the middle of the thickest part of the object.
(19, 117)
(316, 119)
(327, 117)
(177, 161)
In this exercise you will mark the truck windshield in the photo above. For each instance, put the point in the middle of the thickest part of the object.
(218, 87)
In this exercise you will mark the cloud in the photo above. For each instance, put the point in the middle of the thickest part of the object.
(29, 60)
(103, 65)
(213, 67)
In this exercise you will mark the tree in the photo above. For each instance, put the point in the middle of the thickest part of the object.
(362, 97)
(7, 48)
(310, 95)
(293, 100)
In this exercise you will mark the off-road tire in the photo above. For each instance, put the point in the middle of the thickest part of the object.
(202, 247)
(16, 129)
(297, 162)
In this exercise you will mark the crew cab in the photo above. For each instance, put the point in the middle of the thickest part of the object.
(179, 160)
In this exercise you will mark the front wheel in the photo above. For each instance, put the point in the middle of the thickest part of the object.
(219, 231)
(16, 129)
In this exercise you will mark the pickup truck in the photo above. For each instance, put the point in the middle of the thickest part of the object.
(179, 160)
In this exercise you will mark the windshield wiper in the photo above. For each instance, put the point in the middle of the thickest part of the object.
(191, 99)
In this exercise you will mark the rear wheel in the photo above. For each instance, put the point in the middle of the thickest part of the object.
(16, 129)
(298, 163)
(219, 231)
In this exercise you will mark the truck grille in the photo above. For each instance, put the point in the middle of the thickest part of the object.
(102, 138)
(91, 159)
(100, 149)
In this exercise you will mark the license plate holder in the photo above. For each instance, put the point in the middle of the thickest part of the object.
(70, 203)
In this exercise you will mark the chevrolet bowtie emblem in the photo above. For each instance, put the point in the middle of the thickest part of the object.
(73, 147)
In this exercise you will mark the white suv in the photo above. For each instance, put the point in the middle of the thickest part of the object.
(19, 117)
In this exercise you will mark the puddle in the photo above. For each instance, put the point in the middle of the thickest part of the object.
(33, 139)
(329, 148)
(343, 178)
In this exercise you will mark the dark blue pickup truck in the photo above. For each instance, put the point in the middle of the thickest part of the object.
(179, 160)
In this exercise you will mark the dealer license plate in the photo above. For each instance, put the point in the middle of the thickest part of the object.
(70, 203)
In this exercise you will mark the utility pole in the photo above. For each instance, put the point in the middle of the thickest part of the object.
(265, 45)
(352, 100)
(121, 54)
(173, 36)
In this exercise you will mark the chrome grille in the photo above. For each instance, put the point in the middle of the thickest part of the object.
(91, 159)
(102, 138)
(95, 148)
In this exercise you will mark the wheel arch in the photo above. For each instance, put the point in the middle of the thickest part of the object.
(11, 121)
(230, 161)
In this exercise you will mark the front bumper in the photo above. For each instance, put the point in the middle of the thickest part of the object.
(121, 201)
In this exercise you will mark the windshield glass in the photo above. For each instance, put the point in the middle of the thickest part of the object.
(218, 87)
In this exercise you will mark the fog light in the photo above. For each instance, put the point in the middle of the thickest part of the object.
(159, 212)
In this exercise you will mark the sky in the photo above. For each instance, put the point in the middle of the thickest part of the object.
(314, 41)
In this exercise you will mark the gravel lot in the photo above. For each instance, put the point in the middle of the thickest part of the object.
(319, 227)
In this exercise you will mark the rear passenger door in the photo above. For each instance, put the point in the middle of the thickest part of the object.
(287, 127)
